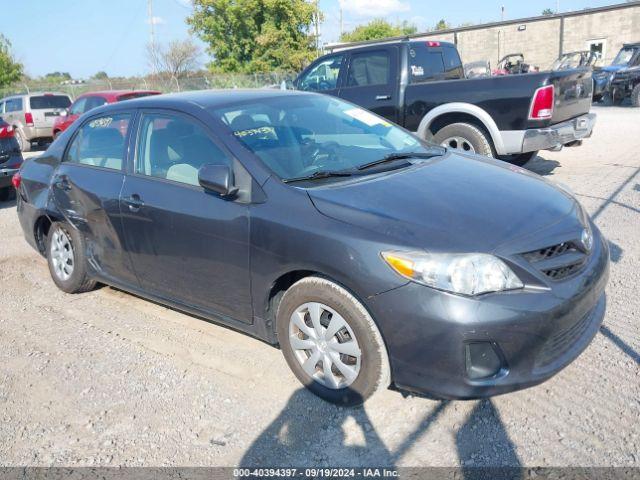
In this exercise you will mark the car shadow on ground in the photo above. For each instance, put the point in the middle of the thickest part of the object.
(541, 165)
(621, 344)
(311, 432)
(11, 203)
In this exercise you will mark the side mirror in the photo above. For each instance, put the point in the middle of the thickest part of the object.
(217, 179)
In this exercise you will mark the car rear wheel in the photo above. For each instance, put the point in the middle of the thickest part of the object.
(635, 96)
(23, 143)
(465, 137)
(66, 259)
(331, 343)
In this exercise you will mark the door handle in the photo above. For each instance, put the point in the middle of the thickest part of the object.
(63, 184)
(134, 202)
(383, 97)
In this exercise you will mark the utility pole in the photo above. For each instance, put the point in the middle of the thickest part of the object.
(152, 39)
(502, 13)
(151, 22)
(317, 22)
(557, 6)
(341, 24)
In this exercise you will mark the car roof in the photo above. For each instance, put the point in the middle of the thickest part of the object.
(634, 44)
(34, 94)
(204, 99)
(115, 94)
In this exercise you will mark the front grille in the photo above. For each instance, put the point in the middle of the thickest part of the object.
(557, 262)
(561, 342)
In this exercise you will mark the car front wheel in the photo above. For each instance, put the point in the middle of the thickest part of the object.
(66, 259)
(331, 343)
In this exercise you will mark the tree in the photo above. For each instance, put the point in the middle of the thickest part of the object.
(376, 29)
(255, 35)
(10, 69)
(176, 59)
(548, 11)
(442, 25)
(101, 75)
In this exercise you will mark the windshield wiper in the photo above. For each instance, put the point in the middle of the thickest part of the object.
(392, 157)
(319, 175)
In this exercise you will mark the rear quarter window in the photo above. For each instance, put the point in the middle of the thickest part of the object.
(41, 102)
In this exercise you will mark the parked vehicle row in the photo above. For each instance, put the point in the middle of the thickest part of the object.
(89, 101)
(10, 158)
(41, 117)
(421, 86)
(371, 257)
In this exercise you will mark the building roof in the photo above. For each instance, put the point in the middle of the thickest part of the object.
(575, 13)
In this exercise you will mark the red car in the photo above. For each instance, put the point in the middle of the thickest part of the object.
(91, 100)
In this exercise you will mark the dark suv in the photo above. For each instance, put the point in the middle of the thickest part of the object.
(369, 256)
(625, 82)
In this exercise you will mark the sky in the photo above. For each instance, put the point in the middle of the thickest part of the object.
(83, 37)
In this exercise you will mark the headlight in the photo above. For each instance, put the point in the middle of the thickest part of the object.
(466, 274)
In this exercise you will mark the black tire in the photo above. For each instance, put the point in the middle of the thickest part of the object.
(78, 280)
(5, 194)
(615, 98)
(472, 135)
(374, 373)
(635, 96)
(23, 143)
(519, 159)
(597, 98)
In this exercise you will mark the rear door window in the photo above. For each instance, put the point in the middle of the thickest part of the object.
(100, 142)
(42, 102)
(369, 68)
(452, 63)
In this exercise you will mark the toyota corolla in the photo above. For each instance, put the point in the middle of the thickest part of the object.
(371, 258)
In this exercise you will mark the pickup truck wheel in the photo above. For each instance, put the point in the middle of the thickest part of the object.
(66, 259)
(635, 96)
(331, 343)
(465, 137)
(518, 159)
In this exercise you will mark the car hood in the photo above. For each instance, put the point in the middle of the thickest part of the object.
(454, 203)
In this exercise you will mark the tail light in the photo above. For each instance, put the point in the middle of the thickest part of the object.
(542, 103)
(6, 131)
(28, 119)
(16, 180)
(433, 44)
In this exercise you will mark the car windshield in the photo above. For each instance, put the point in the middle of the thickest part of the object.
(300, 135)
(624, 56)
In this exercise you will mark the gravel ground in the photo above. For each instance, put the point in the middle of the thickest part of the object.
(106, 378)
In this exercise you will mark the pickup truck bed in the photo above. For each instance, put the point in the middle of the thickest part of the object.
(421, 86)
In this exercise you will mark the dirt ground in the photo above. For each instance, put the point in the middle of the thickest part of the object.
(106, 378)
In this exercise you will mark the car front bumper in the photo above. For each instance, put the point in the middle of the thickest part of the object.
(556, 136)
(534, 334)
